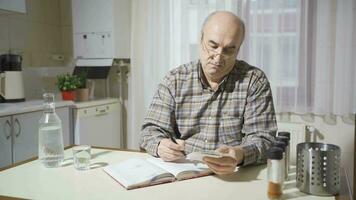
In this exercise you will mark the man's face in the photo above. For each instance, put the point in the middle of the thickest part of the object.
(218, 50)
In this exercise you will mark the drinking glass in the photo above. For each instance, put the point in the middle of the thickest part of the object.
(81, 157)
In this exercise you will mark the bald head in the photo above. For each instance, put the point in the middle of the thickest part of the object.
(225, 20)
(221, 37)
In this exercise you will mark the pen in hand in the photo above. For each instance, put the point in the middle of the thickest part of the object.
(175, 141)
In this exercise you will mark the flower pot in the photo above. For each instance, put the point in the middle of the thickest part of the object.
(68, 95)
(82, 94)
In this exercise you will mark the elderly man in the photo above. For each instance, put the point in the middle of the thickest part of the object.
(217, 103)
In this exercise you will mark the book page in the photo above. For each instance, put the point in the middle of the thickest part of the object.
(198, 156)
(137, 172)
(182, 166)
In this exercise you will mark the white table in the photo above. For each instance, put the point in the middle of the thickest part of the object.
(32, 181)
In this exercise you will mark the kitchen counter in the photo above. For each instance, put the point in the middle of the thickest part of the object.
(95, 102)
(32, 181)
(36, 105)
(28, 106)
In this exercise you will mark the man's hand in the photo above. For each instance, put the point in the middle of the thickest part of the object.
(170, 151)
(231, 157)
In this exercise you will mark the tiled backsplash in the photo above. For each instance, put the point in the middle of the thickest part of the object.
(42, 79)
(45, 30)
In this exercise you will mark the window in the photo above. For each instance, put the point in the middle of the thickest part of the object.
(273, 40)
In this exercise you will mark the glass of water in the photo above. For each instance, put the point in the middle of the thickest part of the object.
(81, 157)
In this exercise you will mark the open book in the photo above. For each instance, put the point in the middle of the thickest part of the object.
(141, 172)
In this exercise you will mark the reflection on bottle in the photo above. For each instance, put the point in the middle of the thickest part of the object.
(50, 144)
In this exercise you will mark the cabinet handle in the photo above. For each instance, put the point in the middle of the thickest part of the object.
(102, 111)
(9, 125)
(18, 123)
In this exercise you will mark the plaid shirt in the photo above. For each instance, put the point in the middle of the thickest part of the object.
(240, 112)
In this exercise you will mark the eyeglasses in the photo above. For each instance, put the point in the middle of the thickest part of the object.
(212, 50)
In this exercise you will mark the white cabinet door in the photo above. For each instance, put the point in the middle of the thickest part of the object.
(65, 115)
(25, 135)
(5, 141)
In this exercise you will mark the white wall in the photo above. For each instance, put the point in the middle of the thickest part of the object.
(122, 28)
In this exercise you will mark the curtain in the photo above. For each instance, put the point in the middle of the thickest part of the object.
(150, 58)
(306, 48)
(164, 34)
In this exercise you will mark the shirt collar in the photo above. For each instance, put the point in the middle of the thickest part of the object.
(204, 82)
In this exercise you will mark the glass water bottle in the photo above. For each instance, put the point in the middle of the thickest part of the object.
(50, 137)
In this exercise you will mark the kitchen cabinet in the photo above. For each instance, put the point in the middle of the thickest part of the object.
(101, 29)
(13, 5)
(5, 141)
(25, 135)
(19, 135)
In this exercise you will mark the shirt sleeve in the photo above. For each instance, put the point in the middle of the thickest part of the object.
(260, 124)
(159, 120)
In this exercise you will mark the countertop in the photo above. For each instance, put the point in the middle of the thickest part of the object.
(95, 102)
(37, 105)
(28, 106)
(32, 181)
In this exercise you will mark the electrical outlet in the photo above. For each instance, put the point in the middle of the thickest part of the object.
(57, 57)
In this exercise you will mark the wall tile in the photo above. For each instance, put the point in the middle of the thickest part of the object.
(54, 38)
(52, 12)
(26, 59)
(67, 39)
(66, 12)
(68, 59)
(37, 59)
(36, 10)
(39, 33)
(37, 43)
(19, 35)
(4, 33)
(4, 51)
(3, 13)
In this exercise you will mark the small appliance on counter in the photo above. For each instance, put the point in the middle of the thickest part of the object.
(11, 80)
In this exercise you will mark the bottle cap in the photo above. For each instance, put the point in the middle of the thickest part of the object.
(284, 133)
(283, 139)
(280, 144)
(275, 153)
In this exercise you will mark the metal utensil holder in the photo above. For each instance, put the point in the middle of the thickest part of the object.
(318, 168)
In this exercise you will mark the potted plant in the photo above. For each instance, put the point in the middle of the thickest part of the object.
(67, 84)
(82, 92)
